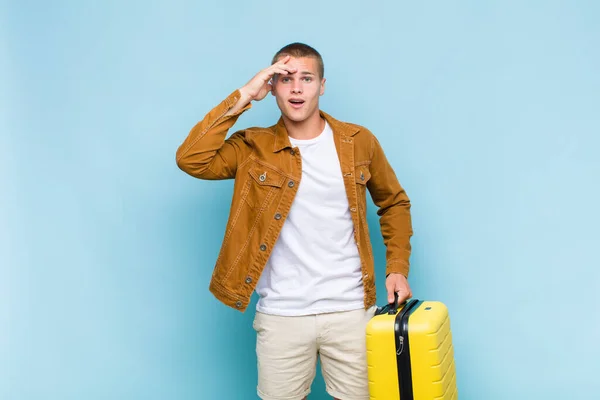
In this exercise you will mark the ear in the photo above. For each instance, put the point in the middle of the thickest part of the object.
(322, 87)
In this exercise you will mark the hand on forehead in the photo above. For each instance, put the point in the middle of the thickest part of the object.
(302, 64)
(299, 63)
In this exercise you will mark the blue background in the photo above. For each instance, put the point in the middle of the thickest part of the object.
(488, 111)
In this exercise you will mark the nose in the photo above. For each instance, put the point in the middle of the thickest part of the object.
(296, 89)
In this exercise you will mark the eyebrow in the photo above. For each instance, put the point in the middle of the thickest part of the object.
(306, 73)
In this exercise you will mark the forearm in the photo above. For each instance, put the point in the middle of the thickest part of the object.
(396, 229)
(394, 211)
(243, 101)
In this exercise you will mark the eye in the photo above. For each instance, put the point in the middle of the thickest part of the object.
(285, 79)
(307, 78)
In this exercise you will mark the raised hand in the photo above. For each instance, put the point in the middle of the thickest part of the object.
(260, 85)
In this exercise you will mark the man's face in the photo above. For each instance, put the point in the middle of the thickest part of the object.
(298, 94)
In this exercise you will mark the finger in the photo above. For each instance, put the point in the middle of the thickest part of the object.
(283, 65)
(404, 288)
(275, 71)
(279, 73)
(390, 291)
(282, 71)
(403, 293)
(288, 67)
(279, 64)
(284, 59)
(402, 296)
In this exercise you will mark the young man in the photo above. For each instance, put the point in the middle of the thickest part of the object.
(297, 232)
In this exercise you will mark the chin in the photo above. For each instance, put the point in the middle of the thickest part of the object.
(296, 117)
(293, 115)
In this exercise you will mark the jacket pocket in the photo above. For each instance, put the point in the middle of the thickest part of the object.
(262, 181)
(362, 175)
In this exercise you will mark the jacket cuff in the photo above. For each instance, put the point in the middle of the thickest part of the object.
(231, 101)
(398, 267)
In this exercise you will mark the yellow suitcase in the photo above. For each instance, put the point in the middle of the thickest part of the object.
(409, 352)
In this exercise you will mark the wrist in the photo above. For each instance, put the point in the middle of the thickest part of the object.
(244, 95)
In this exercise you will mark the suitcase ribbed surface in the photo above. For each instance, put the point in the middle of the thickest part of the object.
(432, 353)
(381, 359)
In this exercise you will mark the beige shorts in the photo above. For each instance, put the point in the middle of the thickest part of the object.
(287, 349)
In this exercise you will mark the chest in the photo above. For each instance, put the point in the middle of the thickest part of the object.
(321, 172)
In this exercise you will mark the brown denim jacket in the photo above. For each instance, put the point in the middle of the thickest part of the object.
(267, 172)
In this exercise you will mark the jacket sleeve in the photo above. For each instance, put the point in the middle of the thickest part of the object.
(205, 154)
(393, 210)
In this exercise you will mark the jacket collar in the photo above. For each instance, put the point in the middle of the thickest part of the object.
(282, 140)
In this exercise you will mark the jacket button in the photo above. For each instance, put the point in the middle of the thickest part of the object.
(263, 247)
(248, 280)
(291, 184)
(353, 209)
(292, 152)
(238, 304)
(277, 216)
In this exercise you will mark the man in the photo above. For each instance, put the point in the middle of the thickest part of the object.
(297, 232)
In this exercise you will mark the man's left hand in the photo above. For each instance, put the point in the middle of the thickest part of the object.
(396, 282)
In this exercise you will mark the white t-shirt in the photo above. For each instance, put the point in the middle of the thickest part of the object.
(314, 266)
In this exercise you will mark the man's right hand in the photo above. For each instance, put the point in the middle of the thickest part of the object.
(258, 87)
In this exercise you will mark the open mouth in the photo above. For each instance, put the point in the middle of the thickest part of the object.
(296, 103)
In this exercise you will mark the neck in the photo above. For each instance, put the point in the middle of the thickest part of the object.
(307, 129)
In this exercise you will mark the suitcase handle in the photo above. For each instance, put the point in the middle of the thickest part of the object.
(396, 305)
(391, 308)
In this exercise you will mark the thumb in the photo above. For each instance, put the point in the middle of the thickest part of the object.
(390, 290)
